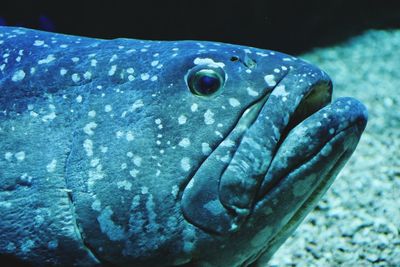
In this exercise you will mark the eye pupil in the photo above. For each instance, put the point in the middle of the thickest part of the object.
(208, 84)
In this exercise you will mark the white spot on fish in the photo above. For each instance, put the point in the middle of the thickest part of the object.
(134, 173)
(113, 58)
(112, 70)
(92, 113)
(8, 156)
(47, 60)
(79, 99)
(194, 107)
(88, 146)
(107, 108)
(51, 167)
(94, 162)
(251, 92)
(270, 80)
(49, 117)
(227, 143)
(154, 78)
(137, 104)
(144, 190)
(87, 75)
(144, 76)
(205, 148)
(125, 185)
(129, 136)
(88, 129)
(119, 134)
(75, 77)
(280, 90)
(96, 205)
(209, 117)
(20, 156)
(19, 75)
(63, 71)
(185, 142)
(185, 164)
(137, 161)
(219, 134)
(175, 190)
(154, 63)
(38, 43)
(234, 102)
(182, 119)
(208, 61)
(33, 114)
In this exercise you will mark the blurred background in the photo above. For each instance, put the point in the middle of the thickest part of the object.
(288, 26)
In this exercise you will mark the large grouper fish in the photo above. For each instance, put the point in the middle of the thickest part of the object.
(160, 153)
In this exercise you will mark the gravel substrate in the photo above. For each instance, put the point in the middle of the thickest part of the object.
(357, 223)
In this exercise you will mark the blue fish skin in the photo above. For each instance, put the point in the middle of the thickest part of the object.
(161, 153)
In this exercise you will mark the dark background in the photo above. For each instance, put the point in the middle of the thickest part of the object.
(288, 26)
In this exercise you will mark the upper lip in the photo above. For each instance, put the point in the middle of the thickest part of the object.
(318, 96)
(272, 118)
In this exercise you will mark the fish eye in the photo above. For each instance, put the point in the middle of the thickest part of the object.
(206, 80)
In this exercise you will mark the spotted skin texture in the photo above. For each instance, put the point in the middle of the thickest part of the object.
(107, 158)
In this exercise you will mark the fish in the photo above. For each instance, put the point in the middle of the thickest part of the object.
(161, 153)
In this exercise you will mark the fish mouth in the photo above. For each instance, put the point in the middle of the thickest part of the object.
(249, 171)
(267, 125)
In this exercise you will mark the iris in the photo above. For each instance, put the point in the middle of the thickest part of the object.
(205, 81)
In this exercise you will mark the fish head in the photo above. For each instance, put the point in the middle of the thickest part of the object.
(209, 153)
(283, 142)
